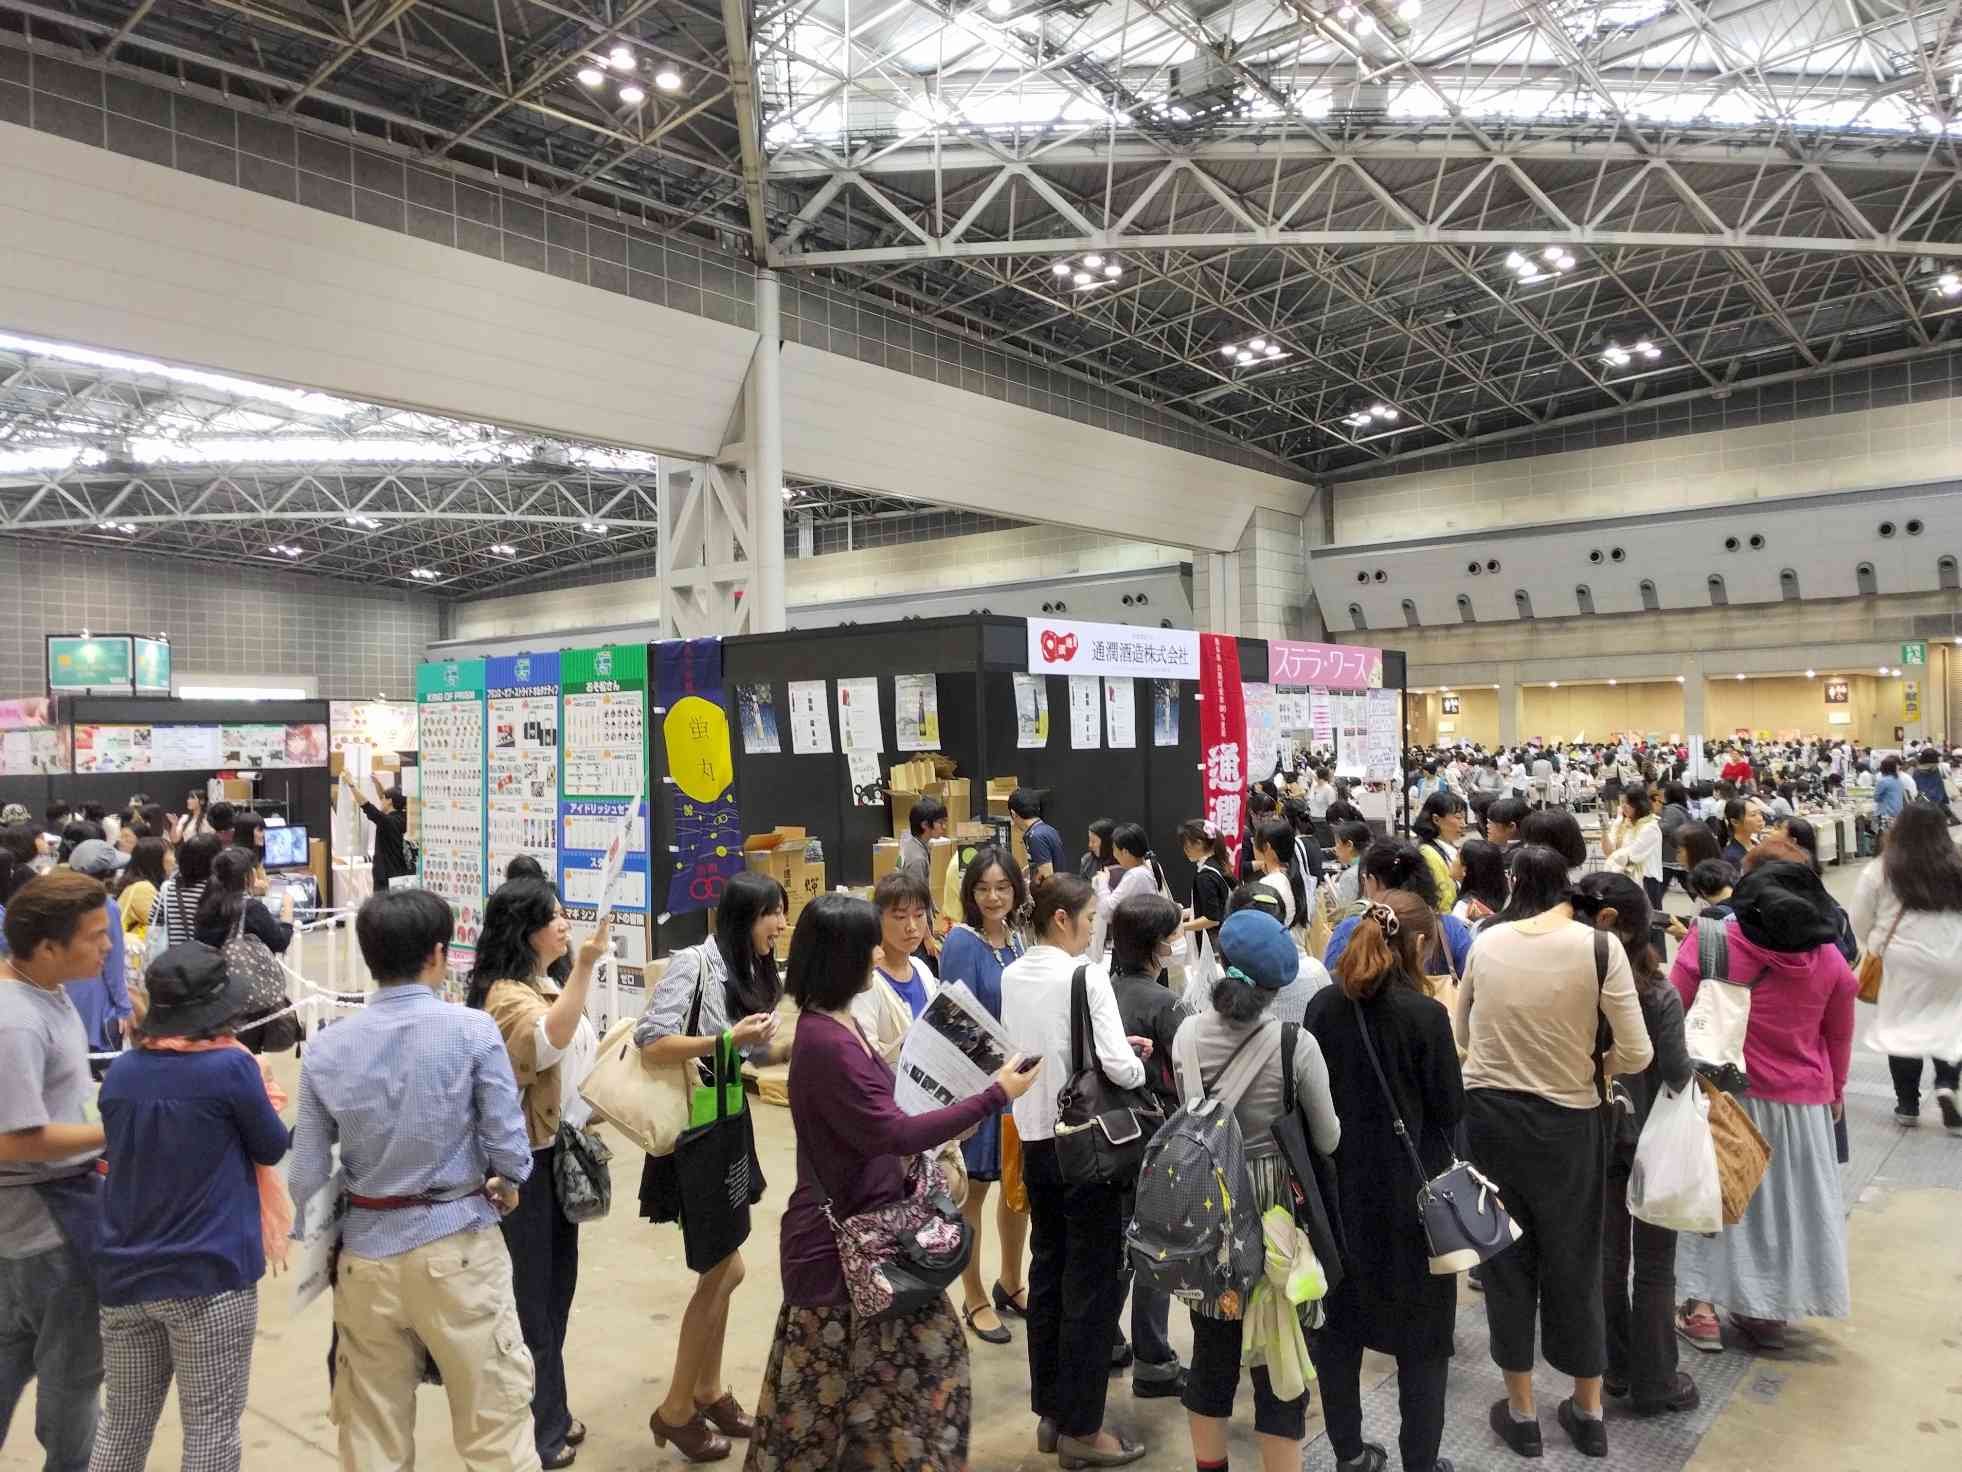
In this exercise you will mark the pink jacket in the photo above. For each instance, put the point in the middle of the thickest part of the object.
(1801, 1035)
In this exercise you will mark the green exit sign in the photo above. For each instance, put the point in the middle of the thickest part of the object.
(1915, 653)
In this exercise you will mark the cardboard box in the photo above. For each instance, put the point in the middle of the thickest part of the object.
(999, 791)
(956, 793)
(885, 858)
(940, 853)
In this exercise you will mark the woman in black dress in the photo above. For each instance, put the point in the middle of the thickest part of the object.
(1388, 1299)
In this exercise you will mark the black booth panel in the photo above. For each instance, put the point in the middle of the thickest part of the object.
(1173, 787)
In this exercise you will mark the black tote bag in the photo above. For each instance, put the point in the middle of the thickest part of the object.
(719, 1178)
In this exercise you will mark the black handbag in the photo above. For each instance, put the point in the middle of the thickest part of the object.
(1312, 1178)
(1101, 1129)
(1465, 1223)
(716, 1176)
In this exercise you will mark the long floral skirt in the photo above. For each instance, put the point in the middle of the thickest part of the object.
(843, 1397)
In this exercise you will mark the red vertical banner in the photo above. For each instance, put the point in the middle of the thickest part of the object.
(1223, 736)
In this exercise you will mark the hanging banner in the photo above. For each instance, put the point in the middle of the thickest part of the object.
(1910, 699)
(602, 772)
(1112, 649)
(450, 798)
(708, 828)
(1331, 666)
(523, 800)
(1223, 736)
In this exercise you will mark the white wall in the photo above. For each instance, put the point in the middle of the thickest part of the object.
(122, 254)
(923, 568)
(1896, 445)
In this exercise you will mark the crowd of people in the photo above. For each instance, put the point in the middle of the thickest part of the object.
(1496, 987)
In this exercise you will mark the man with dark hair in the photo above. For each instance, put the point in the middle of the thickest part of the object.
(391, 830)
(926, 822)
(57, 930)
(223, 817)
(420, 1096)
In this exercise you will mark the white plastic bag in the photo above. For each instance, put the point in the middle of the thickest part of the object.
(1201, 974)
(1674, 1180)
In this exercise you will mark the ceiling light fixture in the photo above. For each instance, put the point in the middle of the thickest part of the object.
(1061, 268)
(1812, 674)
(1679, 679)
(1112, 270)
(1409, 10)
(365, 523)
(668, 79)
(593, 528)
(1095, 263)
(504, 549)
(1000, 7)
(1088, 272)
(1365, 25)
(1255, 350)
(283, 549)
(1881, 671)
(1553, 684)
(632, 95)
(1740, 677)
(591, 76)
(1534, 266)
(128, 529)
(1363, 417)
(621, 59)
(1617, 356)
(427, 574)
(1949, 284)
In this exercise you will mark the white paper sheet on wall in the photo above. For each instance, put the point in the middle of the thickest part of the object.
(810, 718)
(916, 712)
(1120, 712)
(1086, 713)
(1031, 712)
(858, 715)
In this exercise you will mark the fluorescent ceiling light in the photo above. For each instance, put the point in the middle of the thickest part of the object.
(240, 692)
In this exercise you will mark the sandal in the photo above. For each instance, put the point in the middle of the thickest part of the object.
(997, 1335)
(1005, 1302)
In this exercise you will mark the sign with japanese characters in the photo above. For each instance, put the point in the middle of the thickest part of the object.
(1324, 666)
(1112, 649)
(1223, 736)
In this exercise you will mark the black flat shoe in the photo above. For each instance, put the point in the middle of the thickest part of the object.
(1005, 1301)
(1684, 1396)
(1616, 1388)
(1373, 1458)
(565, 1456)
(577, 1434)
(997, 1335)
(1590, 1438)
(1522, 1436)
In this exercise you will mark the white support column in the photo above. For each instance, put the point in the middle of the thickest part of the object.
(764, 402)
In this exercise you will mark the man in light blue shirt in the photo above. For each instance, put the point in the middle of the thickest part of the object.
(419, 1095)
(103, 1000)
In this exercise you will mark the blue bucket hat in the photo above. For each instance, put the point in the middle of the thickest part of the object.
(1256, 948)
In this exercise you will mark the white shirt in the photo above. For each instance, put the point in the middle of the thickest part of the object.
(1139, 879)
(1278, 882)
(1636, 851)
(883, 1014)
(1920, 1011)
(1319, 797)
(1035, 1013)
(576, 1060)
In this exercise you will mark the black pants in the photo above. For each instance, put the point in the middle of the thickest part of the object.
(1638, 1293)
(1076, 1291)
(1151, 1317)
(1212, 1382)
(1907, 1079)
(544, 1249)
(1549, 1164)
(1420, 1400)
(1653, 888)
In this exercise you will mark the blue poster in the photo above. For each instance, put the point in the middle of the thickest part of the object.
(708, 828)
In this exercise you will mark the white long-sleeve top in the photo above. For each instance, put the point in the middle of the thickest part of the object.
(1636, 851)
(1138, 879)
(1035, 1013)
(1920, 1011)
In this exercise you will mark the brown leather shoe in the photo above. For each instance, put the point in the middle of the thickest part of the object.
(728, 1416)
(695, 1441)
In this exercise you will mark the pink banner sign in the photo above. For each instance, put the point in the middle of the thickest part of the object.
(1324, 666)
(25, 715)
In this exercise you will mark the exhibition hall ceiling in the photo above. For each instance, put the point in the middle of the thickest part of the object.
(105, 449)
(1348, 232)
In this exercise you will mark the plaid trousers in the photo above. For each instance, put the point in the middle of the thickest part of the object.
(207, 1343)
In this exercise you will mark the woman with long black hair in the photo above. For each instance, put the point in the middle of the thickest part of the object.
(552, 1047)
(137, 890)
(729, 985)
(231, 903)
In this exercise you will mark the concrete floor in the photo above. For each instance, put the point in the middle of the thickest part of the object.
(1881, 1388)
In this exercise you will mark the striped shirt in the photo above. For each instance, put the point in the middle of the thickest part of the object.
(419, 1094)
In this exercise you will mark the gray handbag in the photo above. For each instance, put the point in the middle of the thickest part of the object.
(584, 1179)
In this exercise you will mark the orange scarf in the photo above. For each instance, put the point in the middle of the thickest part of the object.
(275, 1205)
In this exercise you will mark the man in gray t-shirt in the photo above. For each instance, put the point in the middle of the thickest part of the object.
(57, 929)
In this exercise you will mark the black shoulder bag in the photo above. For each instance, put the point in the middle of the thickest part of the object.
(1313, 1182)
(1101, 1129)
(1464, 1221)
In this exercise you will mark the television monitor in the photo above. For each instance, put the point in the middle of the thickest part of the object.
(286, 848)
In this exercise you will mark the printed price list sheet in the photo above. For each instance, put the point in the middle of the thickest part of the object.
(451, 740)
(523, 768)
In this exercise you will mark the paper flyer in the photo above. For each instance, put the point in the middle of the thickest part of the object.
(916, 711)
(312, 1257)
(868, 791)
(1120, 712)
(1031, 712)
(858, 715)
(756, 713)
(950, 1053)
(1164, 712)
(810, 718)
(1086, 714)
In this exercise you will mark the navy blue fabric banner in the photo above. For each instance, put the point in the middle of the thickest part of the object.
(707, 824)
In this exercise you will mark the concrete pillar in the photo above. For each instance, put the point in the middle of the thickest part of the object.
(764, 401)
(1260, 589)
(1510, 695)
(1693, 704)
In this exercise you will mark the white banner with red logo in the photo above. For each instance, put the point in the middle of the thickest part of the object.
(1223, 736)
(1112, 649)
(1324, 666)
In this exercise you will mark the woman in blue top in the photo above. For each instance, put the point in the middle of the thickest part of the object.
(1888, 795)
(975, 954)
(187, 1120)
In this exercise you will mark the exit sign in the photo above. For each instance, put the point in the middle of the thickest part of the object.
(1915, 653)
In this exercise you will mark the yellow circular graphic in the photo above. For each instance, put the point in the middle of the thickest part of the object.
(697, 734)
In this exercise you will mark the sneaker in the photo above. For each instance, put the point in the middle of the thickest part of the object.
(1951, 1116)
(1905, 1117)
(1684, 1397)
(1701, 1329)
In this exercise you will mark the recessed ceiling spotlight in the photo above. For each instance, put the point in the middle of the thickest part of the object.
(1244, 357)
(1881, 671)
(1273, 350)
(1230, 351)
(1259, 344)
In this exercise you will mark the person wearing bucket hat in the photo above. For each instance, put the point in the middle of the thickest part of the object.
(103, 1000)
(1258, 960)
(190, 1211)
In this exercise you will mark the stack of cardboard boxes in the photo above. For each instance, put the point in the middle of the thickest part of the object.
(788, 856)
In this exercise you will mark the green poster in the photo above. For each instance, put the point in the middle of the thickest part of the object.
(98, 664)
(152, 666)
